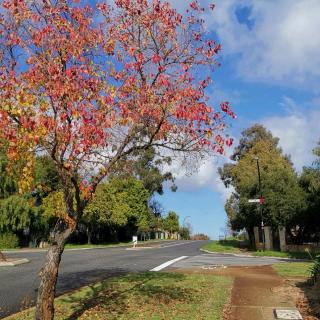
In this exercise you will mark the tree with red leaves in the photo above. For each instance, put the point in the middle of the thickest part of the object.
(92, 87)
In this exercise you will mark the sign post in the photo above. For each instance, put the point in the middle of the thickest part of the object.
(261, 202)
(135, 241)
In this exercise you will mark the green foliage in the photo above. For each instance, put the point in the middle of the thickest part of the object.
(310, 182)
(184, 233)
(8, 240)
(282, 254)
(117, 202)
(16, 213)
(284, 198)
(171, 222)
(228, 246)
(250, 137)
(53, 206)
(147, 169)
(46, 177)
(315, 269)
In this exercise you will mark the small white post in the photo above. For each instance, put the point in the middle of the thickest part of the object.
(135, 241)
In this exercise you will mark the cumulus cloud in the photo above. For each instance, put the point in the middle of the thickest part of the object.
(271, 41)
(276, 41)
(298, 131)
(205, 177)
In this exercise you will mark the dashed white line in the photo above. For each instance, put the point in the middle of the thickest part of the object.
(168, 263)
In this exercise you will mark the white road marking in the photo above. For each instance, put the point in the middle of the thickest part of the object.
(168, 263)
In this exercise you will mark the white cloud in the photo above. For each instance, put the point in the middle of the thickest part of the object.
(283, 45)
(298, 132)
(206, 176)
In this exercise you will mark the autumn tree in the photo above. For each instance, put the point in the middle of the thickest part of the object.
(92, 86)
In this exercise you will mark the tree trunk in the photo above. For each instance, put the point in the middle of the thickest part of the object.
(49, 275)
(89, 235)
(2, 257)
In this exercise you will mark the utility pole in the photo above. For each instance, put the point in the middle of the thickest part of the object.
(260, 205)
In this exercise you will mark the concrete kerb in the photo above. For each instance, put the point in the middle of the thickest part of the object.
(75, 249)
(13, 262)
(230, 254)
(257, 257)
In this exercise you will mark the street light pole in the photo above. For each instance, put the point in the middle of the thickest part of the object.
(184, 221)
(260, 204)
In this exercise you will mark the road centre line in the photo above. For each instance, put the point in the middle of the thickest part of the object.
(168, 263)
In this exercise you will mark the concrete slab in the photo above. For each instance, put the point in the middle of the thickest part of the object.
(287, 314)
(13, 262)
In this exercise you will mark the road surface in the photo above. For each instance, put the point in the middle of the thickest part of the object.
(18, 284)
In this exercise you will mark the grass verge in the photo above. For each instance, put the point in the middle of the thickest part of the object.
(293, 269)
(226, 246)
(100, 245)
(293, 255)
(147, 295)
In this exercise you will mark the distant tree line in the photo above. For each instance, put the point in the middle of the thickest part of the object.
(291, 199)
(122, 206)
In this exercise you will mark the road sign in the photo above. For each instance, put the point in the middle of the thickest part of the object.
(254, 200)
(260, 200)
(134, 240)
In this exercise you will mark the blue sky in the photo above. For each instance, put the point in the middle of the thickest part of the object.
(270, 73)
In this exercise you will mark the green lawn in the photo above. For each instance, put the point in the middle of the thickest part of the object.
(294, 255)
(150, 295)
(293, 269)
(100, 245)
(227, 246)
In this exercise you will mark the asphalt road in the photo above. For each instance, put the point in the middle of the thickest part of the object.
(80, 267)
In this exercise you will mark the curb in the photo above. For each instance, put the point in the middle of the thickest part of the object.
(13, 263)
(251, 256)
(230, 254)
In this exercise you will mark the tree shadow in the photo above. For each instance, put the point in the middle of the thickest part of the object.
(109, 295)
(74, 280)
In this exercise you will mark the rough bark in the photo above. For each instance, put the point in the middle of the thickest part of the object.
(49, 275)
(2, 257)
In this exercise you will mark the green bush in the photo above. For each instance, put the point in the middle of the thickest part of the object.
(315, 269)
(8, 241)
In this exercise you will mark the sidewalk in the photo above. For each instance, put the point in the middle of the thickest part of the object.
(256, 292)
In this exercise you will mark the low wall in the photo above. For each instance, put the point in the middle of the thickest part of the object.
(314, 248)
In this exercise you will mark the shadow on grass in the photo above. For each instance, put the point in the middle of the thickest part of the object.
(112, 295)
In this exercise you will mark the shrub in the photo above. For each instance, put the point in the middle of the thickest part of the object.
(315, 269)
(8, 241)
